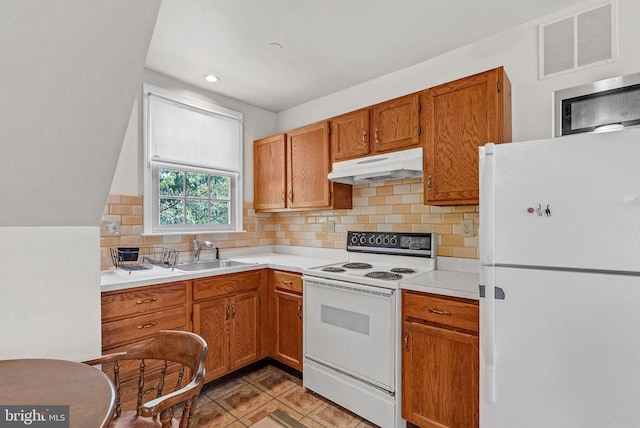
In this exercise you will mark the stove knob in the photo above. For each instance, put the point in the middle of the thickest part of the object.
(379, 240)
(385, 240)
(363, 240)
(393, 241)
(372, 240)
(354, 239)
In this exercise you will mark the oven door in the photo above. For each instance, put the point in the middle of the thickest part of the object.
(351, 328)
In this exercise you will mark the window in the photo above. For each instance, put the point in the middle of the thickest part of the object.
(193, 157)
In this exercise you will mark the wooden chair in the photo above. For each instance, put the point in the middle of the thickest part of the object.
(162, 359)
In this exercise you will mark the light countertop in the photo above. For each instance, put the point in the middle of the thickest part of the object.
(454, 277)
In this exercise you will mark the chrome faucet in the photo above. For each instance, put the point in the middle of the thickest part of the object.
(198, 247)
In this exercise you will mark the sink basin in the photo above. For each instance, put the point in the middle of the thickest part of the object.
(213, 264)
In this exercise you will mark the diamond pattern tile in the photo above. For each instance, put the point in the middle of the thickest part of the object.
(245, 400)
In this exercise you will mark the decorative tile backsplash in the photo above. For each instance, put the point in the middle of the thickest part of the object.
(393, 206)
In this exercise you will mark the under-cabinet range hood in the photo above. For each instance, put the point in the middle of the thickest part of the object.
(388, 166)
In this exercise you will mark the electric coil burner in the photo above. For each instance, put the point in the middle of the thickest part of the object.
(388, 276)
(357, 266)
(351, 315)
(333, 269)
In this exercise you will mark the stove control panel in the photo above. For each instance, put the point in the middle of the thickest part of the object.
(412, 244)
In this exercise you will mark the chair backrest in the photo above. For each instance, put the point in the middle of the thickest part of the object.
(162, 359)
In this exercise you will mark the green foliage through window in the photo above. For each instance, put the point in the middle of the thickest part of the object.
(193, 198)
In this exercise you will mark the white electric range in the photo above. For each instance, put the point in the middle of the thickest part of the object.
(351, 328)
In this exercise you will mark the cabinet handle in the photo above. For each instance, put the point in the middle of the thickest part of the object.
(299, 311)
(287, 282)
(290, 195)
(233, 311)
(364, 137)
(152, 324)
(435, 311)
(429, 183)
(227, 312)
(406, 341)
(376, 135)
(151, 300)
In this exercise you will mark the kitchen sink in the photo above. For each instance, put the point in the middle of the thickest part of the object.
(213, 264)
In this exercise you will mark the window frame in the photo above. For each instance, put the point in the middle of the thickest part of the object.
(152, 166)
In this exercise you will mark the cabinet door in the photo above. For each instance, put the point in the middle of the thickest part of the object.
(440, 377)
(288, 314)
(459, 117)
(308, 166)
(244, 335)
(350, 135)
(395, 124)
(269, 173)
(211, 321)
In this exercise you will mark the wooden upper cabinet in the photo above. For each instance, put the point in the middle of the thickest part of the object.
(395, 124)
(459, 117)
(308, 160)
(269, 173)
(290, 172)
(350, 135)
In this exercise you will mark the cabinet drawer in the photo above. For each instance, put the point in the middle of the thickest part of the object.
(153, 298)
(457, 313)
(287, 281)
(136, 328)
(216, 286)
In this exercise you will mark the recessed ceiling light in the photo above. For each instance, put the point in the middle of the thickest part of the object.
(211, 78)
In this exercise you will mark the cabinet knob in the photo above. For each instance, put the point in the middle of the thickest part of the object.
(429, 183)
(299, 311)
(406, 341)
(376, 132)
(364, 137)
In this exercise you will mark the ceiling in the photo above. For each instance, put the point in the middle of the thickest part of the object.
(326, 45)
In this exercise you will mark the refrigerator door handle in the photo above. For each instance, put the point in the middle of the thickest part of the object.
(499, 292)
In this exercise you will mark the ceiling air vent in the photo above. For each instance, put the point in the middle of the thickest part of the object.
(583, 39)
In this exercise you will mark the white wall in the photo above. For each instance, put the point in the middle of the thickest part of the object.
(516, 50)
(50, 292)
(258, 123)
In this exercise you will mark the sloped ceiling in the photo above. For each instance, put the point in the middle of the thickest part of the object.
(69, 72)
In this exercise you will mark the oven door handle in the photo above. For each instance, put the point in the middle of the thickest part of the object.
(347, 286)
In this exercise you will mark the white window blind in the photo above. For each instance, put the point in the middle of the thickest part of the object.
(187, 134)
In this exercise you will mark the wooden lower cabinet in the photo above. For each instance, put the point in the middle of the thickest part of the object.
(287, 318)
(228, 316)
(440, 362)
(288, 314)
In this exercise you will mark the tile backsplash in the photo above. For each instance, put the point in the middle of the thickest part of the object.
(393, 206)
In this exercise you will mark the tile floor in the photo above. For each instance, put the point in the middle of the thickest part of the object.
(244, 400)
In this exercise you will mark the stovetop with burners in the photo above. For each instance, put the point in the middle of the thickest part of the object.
(382, 259)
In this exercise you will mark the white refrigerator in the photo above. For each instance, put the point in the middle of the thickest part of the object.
(560, 282)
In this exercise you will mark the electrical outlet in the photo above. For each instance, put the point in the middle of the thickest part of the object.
(467, 228)
(332, 225)
(109, 228)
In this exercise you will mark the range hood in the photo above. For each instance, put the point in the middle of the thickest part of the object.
(388, 166)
